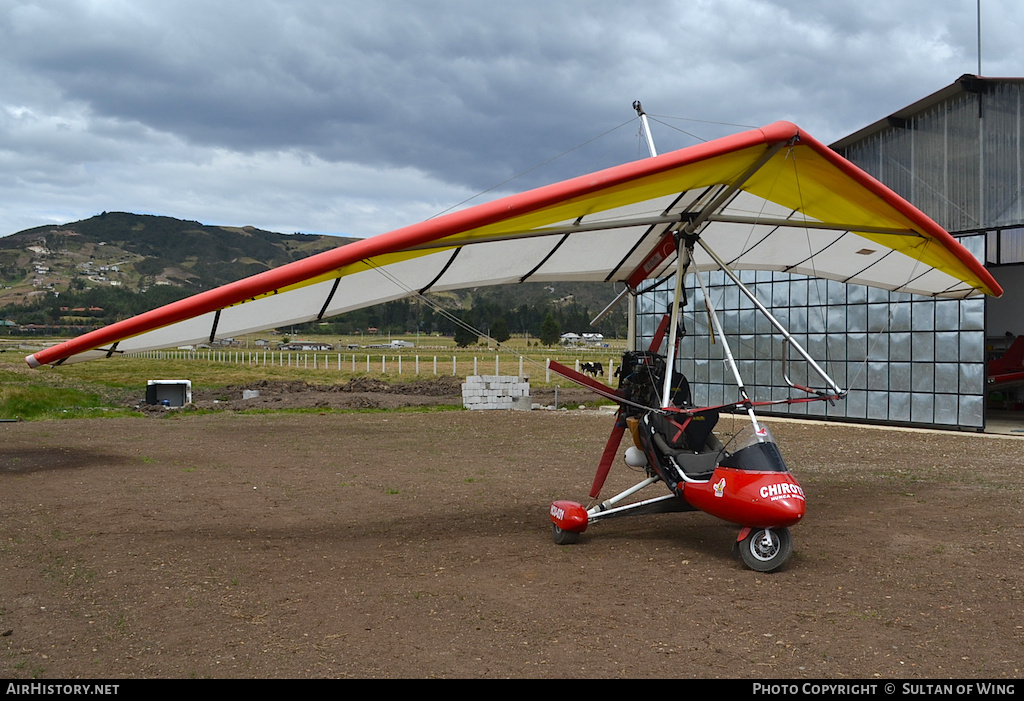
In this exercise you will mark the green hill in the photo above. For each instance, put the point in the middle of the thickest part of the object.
(137, 252)
(116, 264)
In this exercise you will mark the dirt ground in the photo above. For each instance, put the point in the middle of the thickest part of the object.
(364, 393)
(417, 544)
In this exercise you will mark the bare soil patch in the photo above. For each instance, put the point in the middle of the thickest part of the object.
(363, 393)
(410, 544)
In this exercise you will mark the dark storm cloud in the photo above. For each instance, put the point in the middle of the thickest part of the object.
(384, 83)
(401, 108)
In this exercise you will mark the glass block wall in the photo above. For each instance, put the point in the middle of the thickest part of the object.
(905, 359)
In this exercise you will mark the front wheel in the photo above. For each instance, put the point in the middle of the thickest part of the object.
(563, 537)
(766, 549)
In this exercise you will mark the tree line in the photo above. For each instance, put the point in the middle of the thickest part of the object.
(487, 316)
(110, 304)
(491, 313)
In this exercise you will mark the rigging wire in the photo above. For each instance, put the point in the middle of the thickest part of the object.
(698, 121)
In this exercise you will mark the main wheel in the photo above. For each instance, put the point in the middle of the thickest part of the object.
(562, 537)
(766, 549)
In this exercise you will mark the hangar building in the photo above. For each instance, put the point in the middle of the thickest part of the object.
(906, 359)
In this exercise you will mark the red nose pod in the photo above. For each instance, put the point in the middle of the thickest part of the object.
(765, 499)
(569, 516)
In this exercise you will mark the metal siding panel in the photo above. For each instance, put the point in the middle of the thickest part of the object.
(857, 403)
(1001, 150)
(816, 320)
(930, 164)
(817, 347)
(899, 406)
(857, 347)
(972, 346)
(900, 348)
(923, 377)
(878, 346)
(899, 316)
(878, 317)
(972, 315)
(922, 316)
(798, 293)
(878, 376)
(798, 321)
(878, 406)
(856, 294)
(972, 412)
(947, 315)
(963, 154)
(836, 345)
(922, 408)
(972, 379)
(947, 377)
(899, 377)
(923, 349)
(947, 347)
(946, 409)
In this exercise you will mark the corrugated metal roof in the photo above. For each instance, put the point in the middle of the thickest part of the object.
(966, 83)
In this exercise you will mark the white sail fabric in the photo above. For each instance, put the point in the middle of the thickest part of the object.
(769, 199)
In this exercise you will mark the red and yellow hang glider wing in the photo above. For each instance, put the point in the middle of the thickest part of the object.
(768, 199)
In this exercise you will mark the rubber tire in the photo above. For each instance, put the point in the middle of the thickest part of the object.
(761, 559)
(562, 537)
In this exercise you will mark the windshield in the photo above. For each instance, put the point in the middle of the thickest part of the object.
(754, 449)
(748, 436)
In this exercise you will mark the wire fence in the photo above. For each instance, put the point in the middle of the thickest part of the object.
(384, 364)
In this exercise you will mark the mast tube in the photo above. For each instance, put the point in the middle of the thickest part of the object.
(631, 312)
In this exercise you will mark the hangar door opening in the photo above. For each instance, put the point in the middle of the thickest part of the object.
(1004, 325)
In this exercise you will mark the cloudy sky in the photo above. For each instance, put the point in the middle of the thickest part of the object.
(355, 118)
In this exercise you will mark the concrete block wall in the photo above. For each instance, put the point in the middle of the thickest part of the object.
(496, 392)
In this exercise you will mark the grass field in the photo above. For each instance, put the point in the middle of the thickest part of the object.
(108, 387)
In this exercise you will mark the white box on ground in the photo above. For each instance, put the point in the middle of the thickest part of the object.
(496, 392)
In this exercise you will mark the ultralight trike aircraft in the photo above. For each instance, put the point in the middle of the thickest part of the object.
(768, 199)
